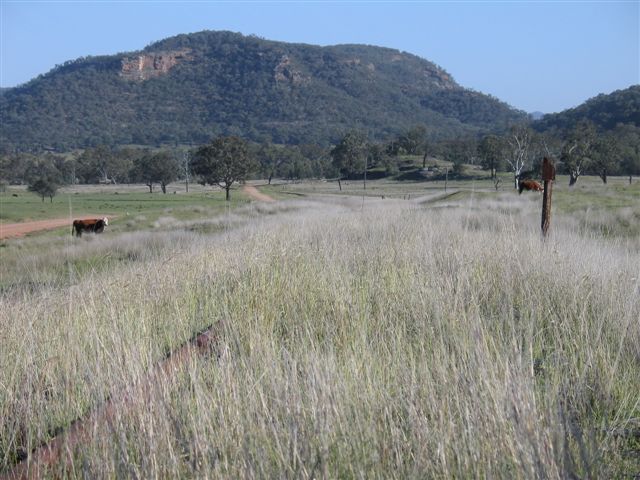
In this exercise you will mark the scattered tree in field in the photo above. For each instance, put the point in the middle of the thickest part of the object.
(628, 140)
(270, 159)
(578, 149)
(166, 169)
(605, 154)
(160, 167)
(350, 155)
(44, 178)
(223, 162)
(44, 188)
(490, 153)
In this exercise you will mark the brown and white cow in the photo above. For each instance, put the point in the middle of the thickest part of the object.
(529, 185)
(92, 225)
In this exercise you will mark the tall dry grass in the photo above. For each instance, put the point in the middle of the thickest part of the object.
(367, 339)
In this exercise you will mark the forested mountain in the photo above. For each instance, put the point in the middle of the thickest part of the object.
(190, 88)
(605, 111)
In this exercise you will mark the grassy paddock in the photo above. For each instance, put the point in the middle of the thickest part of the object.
(18, 205)
(375, 338)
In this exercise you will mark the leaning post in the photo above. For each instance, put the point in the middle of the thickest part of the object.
(548, 175)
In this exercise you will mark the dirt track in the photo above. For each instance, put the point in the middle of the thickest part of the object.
(254, 193)
(10, 230)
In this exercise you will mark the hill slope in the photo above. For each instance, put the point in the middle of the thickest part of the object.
(191, 87)
(605, 111)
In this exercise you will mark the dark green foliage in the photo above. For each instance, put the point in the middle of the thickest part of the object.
(13, 167)
(350, 154)
(577, 150)
(459, 151)
(490, 151)
(102, 165)
(604, 111)
(160, 167)
(473, 108)
(43, 177)
(628, 141)
(223, 162)
(605, 155)
(230, 84)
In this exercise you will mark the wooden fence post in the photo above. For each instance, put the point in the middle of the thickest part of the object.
(548, 175)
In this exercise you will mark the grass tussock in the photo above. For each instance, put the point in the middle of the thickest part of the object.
(373, 339)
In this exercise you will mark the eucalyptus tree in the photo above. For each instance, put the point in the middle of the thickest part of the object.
(223, 162)
(43, 177)
(577, 150)
(350, 156)
(490, 153)
(520, 149)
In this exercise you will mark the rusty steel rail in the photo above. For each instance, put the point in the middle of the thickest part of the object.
(60, 448)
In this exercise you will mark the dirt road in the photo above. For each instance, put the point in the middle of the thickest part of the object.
(254, 193)
(11, 230)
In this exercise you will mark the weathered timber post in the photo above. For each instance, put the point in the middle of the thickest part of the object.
(548, 175)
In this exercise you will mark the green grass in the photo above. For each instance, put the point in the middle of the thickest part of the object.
(121, 201)
(363, 338)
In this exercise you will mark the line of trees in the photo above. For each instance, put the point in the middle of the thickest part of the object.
(582, 150)
(226, 160)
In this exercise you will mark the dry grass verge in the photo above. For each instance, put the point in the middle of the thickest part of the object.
(389, 341)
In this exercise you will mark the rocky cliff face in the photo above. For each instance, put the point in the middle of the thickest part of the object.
(150, 65)
(285, 72)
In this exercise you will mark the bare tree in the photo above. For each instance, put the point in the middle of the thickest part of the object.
(519, 149)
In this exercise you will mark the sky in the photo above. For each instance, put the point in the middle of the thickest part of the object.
(537, 56)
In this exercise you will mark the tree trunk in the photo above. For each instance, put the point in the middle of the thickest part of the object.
(515, 181)
(629, 179)
(424, 161)
(573, 178)
(227, 190)
(603, 176)
(339, 184)
(270, 177)
(163, 186)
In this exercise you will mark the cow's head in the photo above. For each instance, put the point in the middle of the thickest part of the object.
(105, 220)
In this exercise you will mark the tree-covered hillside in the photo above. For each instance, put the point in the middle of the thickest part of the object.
(604, 111)
(190, 88)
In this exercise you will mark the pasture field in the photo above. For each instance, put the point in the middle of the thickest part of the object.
(433, 336)
(18, 205)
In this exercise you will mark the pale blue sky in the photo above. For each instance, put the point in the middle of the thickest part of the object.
(543, 55)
